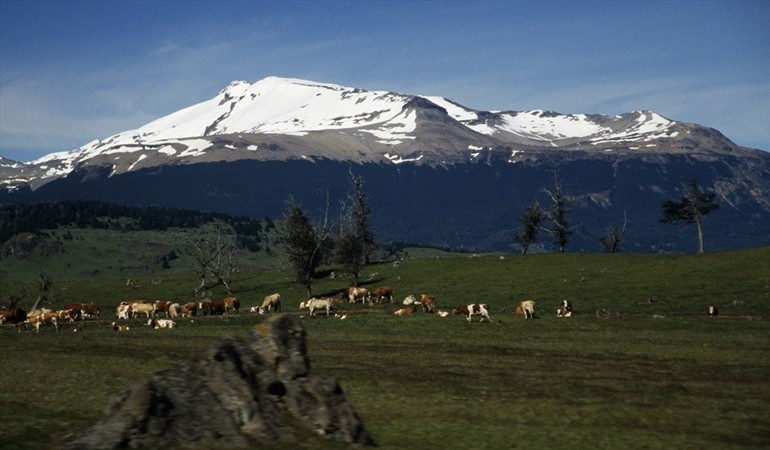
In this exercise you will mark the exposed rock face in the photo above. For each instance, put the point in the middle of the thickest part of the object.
(239, 394)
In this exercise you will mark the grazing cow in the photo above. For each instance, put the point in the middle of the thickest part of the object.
(116, 327)
(270, 302)
(565, 309)
(232, 304)
(406, 311)
(315, 304)
(712, 311)
(189, 309)
(147, 309)
(527, 309)
(410, 300)
(354, 294)
(89, 311)
(474, 309)
(161, 323)
(67, 314)
(43, 318)
(175, 310)
(84, 310)
(428, 303)
(381, 293)
(161, 306)
(212, 307)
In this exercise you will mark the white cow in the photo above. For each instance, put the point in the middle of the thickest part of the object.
(317, 304)
(271, 302)
(528, 308)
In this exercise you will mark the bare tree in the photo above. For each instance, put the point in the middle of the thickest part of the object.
(557, 216)
(44, 285)
(215, 260)
(355, 242)
(305, 243)
(611, 241)
(529, 222)
(690, 209)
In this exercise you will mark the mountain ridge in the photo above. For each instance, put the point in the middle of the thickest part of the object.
(437, 173)
(251, 121)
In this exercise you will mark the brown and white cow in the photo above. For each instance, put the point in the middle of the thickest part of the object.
(124, 311)
(67, 314)
(381, 293)
(84, 310)
(43, 318)
(161, 323)
(175, 310)
(189, 309)
(474, 309)
(354, 294)
(161, 306)
(271, 302)
(232, 304)
(428, 303)
(406, 311)
(565, 309)
(116, 327)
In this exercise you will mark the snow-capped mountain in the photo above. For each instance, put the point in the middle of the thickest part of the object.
(437, 172)
(281, 118)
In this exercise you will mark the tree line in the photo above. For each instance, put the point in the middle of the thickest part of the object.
(688, 210)
(34, 217)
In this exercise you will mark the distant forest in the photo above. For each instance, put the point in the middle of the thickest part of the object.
(34, 217)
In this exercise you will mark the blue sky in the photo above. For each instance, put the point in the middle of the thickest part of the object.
(74, 71)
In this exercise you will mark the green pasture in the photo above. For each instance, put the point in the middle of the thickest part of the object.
(659, 373)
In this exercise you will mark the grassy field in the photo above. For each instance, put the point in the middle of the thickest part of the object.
(660, 374)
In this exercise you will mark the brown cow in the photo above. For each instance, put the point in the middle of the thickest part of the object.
(15, 316)
(217, 307)
(382, 292)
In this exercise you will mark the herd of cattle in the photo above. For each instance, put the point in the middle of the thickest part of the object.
(151, 311)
